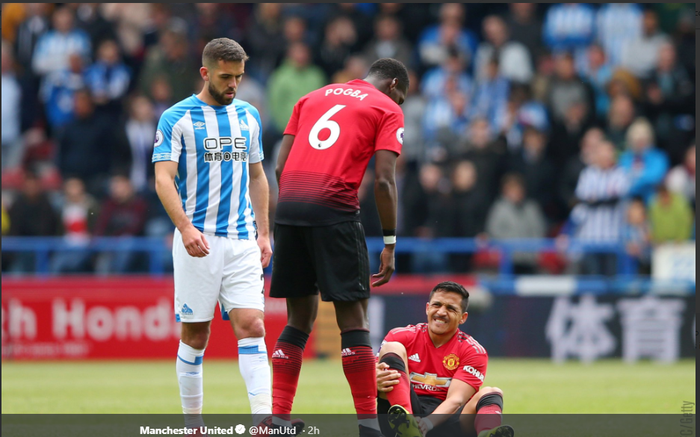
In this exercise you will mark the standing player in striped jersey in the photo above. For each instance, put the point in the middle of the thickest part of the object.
(435, 371)
(210, 179)
(319, 241)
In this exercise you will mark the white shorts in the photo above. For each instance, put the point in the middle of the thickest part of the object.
(231, 275)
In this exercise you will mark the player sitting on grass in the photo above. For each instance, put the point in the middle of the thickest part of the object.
(435, 371)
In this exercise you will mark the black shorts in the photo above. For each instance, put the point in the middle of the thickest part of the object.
(331, 259)
(423, 406)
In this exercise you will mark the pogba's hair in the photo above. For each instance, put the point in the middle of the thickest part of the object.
(224, 49)
(389, 68)
(452, 287)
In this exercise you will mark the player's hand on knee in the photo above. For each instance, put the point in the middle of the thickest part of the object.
(386, 378)
(195, 242)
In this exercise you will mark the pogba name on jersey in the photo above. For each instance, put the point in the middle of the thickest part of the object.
(336, 129)
(345, 92)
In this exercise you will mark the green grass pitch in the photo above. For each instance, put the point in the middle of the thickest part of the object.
(530, 386)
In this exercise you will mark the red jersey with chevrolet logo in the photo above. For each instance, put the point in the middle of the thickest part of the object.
(431, 369)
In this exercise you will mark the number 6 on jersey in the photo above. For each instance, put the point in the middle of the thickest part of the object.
(325, 123)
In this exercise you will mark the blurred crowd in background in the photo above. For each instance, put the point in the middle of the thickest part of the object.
(572, 121)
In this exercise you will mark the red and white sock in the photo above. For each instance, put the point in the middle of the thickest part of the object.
(488, 412)
(286, 366)
(401, 394)
(359, 367)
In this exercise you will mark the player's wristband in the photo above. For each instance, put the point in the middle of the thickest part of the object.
(428, 423)
(389, 236)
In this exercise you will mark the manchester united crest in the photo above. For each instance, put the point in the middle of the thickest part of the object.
(451, 362)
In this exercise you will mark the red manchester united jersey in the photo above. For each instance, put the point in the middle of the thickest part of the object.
(336, 131)
(431, 369)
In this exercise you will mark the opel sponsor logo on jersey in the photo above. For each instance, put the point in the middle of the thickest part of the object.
(399, 135)
(215, 152)
(158, 139)
(218, 143)
(451, 362)
(473, 371)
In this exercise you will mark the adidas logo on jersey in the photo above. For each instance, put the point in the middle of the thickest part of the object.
(243, 125)
(415, 358)
(346, 352)
(186, 310)
(199, 125)
(279, 354)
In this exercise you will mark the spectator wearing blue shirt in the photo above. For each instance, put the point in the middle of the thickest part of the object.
(446, 117)
(57, 93)
(12, 147)
(636, 235)
(617, 24)
(645, 165)
(598, 73)
(569, 27)
(434, 41)
(641, 54)
(533, 113)
(491, 94)
(108, 78)
(521, 111)
(513, 57)
(55, 46)
(434, 80)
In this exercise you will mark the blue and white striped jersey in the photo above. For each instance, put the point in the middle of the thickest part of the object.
(601, 223)
(569, 26)
(54, 48)
(618, 24)
(213, 146)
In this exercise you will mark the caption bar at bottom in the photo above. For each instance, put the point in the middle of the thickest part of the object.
(231, 430)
